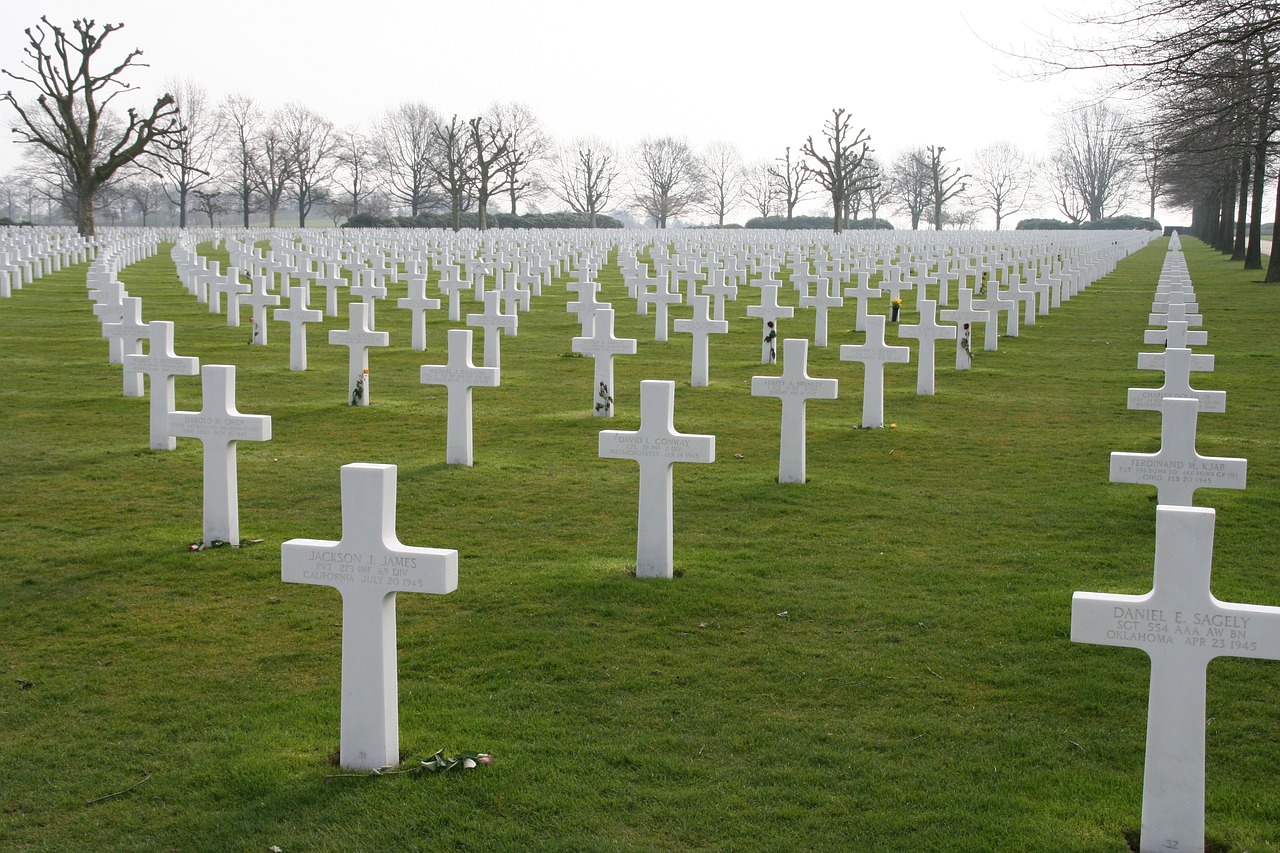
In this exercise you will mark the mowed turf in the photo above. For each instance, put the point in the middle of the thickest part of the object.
(875, 660)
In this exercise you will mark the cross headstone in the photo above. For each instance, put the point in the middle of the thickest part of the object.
(602, 346)
(259, 299)
(701, 326)
(418, 304)
(821, 300)
(795, 388)
(1177, 364)
(964, 317)
(494, 322)
(874, 354)
(661, 298)
(219, 426)
(161, 364)
(358, 337)
(657, 447)
(993, 302)
(1176, 333)
(1181, 626)
(459, 376)
(927, 331)
(331, 283)
(769, 312)
(297, 315)
(369, 290)
(861, 293)
(130, 331)
(1178, 470)
(452, 283)
(369, 566)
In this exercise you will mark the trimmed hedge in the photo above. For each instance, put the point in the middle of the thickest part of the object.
(564, 219)
(824, 223)
(1110, 223)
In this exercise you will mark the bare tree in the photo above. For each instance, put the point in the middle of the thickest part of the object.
(946, 181)
(1061, 177)
(759, 188)
(868, 189)
(404, 145)
(528, 149)
(209, 202)
(452, 164)
(145, 193)
(910, 184)
(311, 147)
(667, 179)
(1002, 179)
(272, 167)
(490, 145)
(836, 169)
(586, 173)
(721, 166)
(354, 176)
(1095, 157)
(67, 118)
(241, 121)
(791, 177)
(189, 163)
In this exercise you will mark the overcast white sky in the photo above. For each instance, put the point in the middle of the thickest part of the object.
(762, 76)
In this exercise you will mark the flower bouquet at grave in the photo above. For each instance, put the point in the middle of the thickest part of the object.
(964, 342)
(895, 308)
(770, 339)
(605, 399)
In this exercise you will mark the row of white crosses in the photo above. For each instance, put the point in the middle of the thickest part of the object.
(1179, 623)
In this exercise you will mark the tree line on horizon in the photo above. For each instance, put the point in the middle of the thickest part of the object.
(200, 158)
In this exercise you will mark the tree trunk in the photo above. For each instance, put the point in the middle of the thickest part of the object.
(1237, 251)
(1273, 266)
(271, 213)
(1226, 207)
(1253, 252)
(182, 207)
(84, 212)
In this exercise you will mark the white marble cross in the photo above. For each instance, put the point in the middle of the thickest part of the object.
(130, 331)
(234, 288)
(418, 304)
(602, 346)
(331, 283)
(459, 376)
(1177, 364)
(964, 317)
(495, 323)
(452, 282)
(258, 299)
(661, 299)
(369, 290)
(874, 354)
(927, 331)
(369, 566)
(993, 302)
(657, 447)
(358, 337)
(821, 300)
(701, 326)
(586, 304)
(864, 291)
(297, 315)
(161, 364)
(1181, 627)
(1178, 470)
(219, 426)
(769, 312)
(795, 388)
(1176, 313)
(719, 289)
(1176, 333)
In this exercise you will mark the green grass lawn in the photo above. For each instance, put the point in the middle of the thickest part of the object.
(876, 660)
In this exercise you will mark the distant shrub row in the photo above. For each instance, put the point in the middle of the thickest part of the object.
(1111, 223)
(471, 220)
(824, 223)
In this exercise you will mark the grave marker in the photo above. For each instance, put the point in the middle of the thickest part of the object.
(795, 388)
(161, 364)
(297, 315)
(927, 331)
(1177, 470)
(368, 566)
(874, 354)
(602, 346)
(459, 376)
(1181, 627)
(701, 327)
(657, 447)
(218, 426)
(357, 338)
